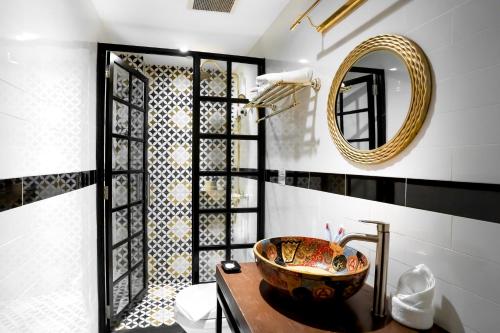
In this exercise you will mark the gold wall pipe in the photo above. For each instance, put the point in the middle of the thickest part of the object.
(339, 15)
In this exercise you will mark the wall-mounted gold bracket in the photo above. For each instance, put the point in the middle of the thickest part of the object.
(336, 17)
(305, 15)
(277, 92)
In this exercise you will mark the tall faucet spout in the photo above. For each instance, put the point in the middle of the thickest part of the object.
(381, 262)
(357, 237)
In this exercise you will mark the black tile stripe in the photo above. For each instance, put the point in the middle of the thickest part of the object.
(11, 193)
(297, 178)
(472, 200)
(382, 189)
(16, 192)
(327, 182)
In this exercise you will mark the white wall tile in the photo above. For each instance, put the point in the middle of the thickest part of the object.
(476, 275)
(420, 224)
(12, 96)
(473, 17)
(421, 12)
(434, 34)
(281, 217)
(30, 148)
(16, 276)
(477, 238)
(474, 126)
(14, 145)
(89, 279)
(456, 308)
(466, 91)
(477, 164)
(414, 162)
(48, 80)
(55, 101)
(334, 207)
(394, 271)
(15, 225)
(50, 257)
(476, 52)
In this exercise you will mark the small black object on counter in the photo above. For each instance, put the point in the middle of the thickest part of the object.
(231, 266)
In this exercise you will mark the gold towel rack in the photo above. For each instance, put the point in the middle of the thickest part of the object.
(277, 92)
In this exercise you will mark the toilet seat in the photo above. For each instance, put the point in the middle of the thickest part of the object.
(196, 309)
(201, 326)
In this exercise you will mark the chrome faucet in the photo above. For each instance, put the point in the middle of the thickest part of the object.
(381, 262)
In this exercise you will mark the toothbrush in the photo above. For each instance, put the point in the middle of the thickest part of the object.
(339, 234)
(328, 232)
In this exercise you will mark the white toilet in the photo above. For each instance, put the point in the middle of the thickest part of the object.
(196, 309)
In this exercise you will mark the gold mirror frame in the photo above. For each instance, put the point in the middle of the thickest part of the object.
(421, 88)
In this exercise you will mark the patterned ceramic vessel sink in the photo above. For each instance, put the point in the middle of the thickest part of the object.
(310, 268)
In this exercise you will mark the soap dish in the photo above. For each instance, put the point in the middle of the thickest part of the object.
(231, 266)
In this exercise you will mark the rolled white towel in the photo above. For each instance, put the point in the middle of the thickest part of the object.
(263, 88)
(298, 76)
(255, 92)
(252, 96)
(412, 304)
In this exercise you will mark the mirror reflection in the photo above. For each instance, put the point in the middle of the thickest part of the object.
(373, 100)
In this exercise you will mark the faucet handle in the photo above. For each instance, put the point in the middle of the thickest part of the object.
(381, 225)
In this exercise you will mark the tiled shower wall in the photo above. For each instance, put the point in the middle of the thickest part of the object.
(169, 158)
(169, 165)
(459, 142)
(48, 259)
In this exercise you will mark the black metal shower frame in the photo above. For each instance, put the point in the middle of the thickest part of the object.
(102, 50)
(228, 173)
(129, 172)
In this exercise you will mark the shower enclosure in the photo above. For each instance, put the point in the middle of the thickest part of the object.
(199, 189)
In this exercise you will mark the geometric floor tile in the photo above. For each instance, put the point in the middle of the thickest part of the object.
(156, 309)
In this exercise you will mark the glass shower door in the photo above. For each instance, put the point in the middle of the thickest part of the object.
(228, 164)
(125, 187)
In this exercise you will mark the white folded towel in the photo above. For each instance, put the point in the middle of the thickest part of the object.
(297, 76)
(412, 304)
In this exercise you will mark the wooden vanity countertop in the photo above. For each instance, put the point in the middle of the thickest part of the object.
(261, 309)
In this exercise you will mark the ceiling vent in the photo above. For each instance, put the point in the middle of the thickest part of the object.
(223, 6)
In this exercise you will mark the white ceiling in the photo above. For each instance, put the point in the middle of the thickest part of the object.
(173, 24)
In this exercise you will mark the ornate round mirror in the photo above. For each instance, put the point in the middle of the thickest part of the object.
(379, 99)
